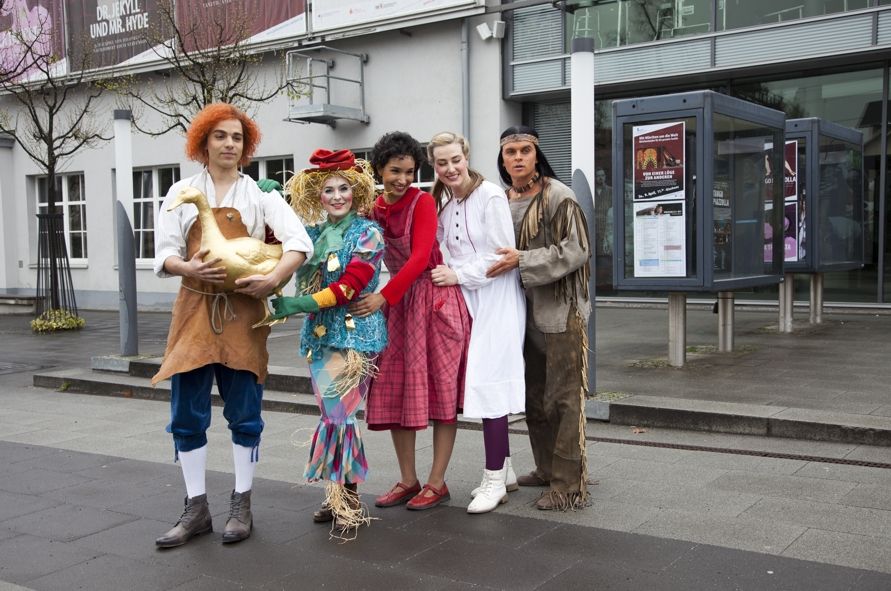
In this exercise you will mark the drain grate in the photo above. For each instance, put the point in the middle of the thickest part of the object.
(738, 452)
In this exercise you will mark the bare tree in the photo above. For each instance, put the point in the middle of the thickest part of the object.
(49, 108)
(207, 60)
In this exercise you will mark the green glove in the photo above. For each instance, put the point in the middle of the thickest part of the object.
(287, 306)
(269, 185)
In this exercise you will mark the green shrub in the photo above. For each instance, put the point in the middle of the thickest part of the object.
(53, 320)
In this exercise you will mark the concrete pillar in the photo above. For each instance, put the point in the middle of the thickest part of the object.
(123, 152)
(725, 321)
(677, 329)
(786, 298)
(816, 315)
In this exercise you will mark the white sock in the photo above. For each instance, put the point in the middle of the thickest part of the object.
(244, 467)
(194, 464)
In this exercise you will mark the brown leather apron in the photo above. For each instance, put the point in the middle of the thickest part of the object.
(210, 327)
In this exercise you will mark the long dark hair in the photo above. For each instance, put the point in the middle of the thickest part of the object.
(541, 167)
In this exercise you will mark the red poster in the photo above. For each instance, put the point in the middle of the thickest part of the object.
(107, 33)
(659, 161)
(241, 20)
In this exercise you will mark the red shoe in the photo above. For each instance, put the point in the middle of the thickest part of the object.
(423, 501)
(399, 494)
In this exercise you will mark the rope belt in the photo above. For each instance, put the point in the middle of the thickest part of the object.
(217, 316)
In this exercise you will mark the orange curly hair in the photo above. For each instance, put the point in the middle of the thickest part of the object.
(208, 118)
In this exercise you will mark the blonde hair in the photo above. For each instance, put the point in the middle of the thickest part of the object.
(447, 138)
(305, 189)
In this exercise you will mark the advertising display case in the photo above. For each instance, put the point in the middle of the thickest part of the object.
(823, 208)
(698, 193)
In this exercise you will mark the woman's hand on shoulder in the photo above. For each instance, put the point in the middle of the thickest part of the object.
(443, 276)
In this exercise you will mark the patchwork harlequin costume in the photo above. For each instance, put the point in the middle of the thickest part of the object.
(340, 348)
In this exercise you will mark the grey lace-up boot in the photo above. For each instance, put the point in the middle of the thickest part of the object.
(194, 521)
(241, 520)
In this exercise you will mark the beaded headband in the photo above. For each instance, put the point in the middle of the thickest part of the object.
(519, 137)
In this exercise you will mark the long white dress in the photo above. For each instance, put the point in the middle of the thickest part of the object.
(472, 230)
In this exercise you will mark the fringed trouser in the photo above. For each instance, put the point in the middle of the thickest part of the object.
(555, 394)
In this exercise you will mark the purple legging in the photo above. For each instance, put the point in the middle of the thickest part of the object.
(496, 441)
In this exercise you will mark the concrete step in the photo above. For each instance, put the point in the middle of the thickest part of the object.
(17, 304)
(112, 382)
(751, 419)
(288, 389)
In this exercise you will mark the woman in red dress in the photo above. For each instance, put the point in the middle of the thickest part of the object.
(421, 371)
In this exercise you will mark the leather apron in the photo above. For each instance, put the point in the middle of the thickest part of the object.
(210, 327)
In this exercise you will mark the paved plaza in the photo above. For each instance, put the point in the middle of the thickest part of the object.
(89, 482)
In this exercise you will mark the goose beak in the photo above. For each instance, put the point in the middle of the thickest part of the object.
(185, 196)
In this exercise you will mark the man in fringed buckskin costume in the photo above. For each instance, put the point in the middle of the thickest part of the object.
(552, 254)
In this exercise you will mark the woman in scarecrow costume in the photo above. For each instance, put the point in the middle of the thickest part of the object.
(339, 347)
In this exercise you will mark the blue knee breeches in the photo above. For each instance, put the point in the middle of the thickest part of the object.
(190, 405)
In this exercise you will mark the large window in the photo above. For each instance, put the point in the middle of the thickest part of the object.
(852, 99)
(626, 22)
(279, 169)
(150, 186)
(614, 23)
(72, 204)
(733, 14)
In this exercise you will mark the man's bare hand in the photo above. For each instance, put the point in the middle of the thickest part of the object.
(256, 286)
(510, 260)
(197, 268)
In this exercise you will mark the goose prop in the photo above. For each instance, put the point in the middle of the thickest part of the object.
(241, 257)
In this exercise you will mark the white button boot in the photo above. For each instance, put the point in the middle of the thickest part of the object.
(492, 492)
(510, 479)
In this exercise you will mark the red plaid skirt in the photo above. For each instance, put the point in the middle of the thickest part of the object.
(422, 369)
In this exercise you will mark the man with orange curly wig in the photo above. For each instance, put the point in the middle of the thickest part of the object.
(211, 336)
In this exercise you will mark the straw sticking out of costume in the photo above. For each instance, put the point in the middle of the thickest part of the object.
(358, 368)
(350, 513)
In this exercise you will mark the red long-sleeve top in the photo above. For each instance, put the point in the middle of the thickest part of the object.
(425, 254)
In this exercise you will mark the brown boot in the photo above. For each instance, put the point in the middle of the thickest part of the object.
(194, 521)
(241, 520)
(532, 479)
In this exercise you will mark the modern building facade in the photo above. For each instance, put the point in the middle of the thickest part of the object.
(429, 66)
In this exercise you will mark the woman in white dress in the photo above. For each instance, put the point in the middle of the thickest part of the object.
(474, 222)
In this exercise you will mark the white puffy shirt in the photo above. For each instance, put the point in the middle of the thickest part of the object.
(258, 209)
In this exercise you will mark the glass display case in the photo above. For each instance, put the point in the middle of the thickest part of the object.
(698, 193)
(823, 197)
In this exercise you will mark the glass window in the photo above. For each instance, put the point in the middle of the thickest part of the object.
(279, 169)
(659, 197)
(852, 99)
(71, 202)
(733, 14)
(625, 22)
(150, 186)
(838, 217)
(748, 174)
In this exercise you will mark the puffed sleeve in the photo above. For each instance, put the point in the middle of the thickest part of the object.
(170, 236)
(499, 228)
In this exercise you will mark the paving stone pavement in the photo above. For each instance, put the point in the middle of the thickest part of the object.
(88, 483)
